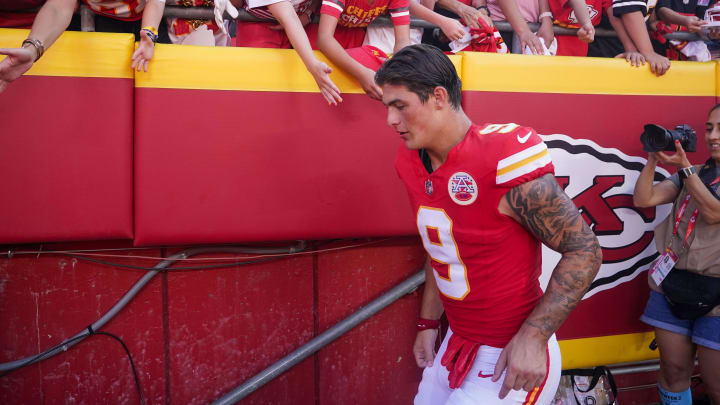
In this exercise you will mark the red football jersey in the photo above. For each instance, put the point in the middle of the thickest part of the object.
(360, 13)
(570, 45)
(486, 264)
(130, 10)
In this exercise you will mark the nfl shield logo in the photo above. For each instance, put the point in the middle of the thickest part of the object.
(428, 187)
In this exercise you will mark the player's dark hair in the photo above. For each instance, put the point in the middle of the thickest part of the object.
(711, 110)
(421, 68)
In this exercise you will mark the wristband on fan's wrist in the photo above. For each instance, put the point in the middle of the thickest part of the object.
(151, 34)
(424, 324)
(487, 10)
(545, 14)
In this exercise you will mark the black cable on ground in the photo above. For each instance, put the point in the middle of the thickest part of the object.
(41, 356)
(132, 363)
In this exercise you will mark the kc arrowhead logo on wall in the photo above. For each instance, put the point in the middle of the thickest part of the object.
(600, 182)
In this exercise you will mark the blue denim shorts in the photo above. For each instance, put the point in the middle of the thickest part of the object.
(705, 331)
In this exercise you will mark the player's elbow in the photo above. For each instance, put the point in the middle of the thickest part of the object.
(586, 253)
(595, 255)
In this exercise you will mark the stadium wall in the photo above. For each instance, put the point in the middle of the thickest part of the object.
(232, 145)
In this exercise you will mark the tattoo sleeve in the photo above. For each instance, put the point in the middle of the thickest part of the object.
(546, 211)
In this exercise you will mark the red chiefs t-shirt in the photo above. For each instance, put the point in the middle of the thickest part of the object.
(360, 13)
(128, 10)
(485, 263)
(570, 45)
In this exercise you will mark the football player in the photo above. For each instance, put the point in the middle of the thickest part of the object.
(485, 199)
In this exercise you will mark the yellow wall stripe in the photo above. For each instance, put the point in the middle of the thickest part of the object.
(79, 54)
(574, 75)
(249, 69)
(604, 350)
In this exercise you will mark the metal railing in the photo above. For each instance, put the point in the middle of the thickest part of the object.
(205, 13)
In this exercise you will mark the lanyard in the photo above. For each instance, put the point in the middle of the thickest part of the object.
(693, 217)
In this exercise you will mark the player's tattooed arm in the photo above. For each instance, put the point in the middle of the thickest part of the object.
(547, 212)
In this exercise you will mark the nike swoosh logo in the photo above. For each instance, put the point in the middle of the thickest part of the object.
(481, 375)
(523, 139)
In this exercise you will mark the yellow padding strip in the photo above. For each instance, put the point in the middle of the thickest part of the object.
(596, 351)
(575, 75)
(79, 54)
(249, 69)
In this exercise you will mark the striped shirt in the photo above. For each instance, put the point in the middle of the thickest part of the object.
(621, 7)
(258, 8)
(130, 10)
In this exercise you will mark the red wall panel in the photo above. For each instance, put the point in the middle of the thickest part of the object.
(373, 363)
(47, 298)
(66, 159)
(227, 325)
(612, 121)
(263, 166)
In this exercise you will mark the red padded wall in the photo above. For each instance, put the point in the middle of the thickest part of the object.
(263, 166)
(66, 159)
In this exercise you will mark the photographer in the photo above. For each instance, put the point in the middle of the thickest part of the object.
(684, 304)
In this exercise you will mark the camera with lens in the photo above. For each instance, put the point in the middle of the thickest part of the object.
(656, 138)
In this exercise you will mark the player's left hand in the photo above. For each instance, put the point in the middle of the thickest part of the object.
(586, 33)
(424, 347)
(678, 159)
(525, 360)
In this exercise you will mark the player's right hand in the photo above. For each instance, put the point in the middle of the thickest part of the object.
(424, 347)
(321, 73)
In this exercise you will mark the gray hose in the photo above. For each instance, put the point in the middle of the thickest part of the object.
(97, 325)
(322, 340)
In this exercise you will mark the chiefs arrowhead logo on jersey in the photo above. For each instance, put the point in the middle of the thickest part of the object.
(462, 188)
(591, 11)
(601, 182)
